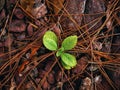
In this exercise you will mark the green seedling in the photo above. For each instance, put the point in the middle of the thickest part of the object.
(50, 41)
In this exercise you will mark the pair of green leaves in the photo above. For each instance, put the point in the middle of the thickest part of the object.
(50, 41)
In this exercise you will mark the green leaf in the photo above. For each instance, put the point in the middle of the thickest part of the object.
(69, 42)
(68, 59)
(59, 52)
(65, 66)
(50, 40)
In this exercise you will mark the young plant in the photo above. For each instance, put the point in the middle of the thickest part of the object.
(50, 41)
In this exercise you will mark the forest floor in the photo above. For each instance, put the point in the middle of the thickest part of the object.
(26, 64)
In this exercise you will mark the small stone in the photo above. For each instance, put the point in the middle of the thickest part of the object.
(2, 14)
(17, 26)
(39, 11)
(8, 41)
(50, 78)
(21, 37)
(30, 30)
(18, 13)
(46, 85)
(98, 79)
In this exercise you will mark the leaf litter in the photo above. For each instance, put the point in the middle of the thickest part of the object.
(26, 64)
